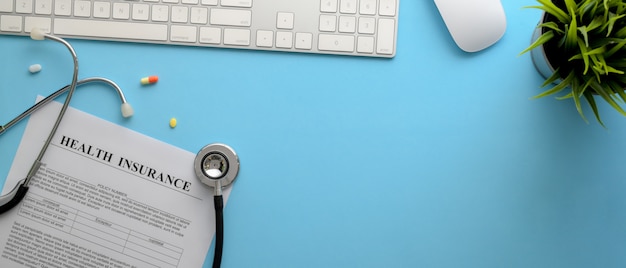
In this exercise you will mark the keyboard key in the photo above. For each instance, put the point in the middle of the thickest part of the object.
(339, 43)
(180, 14)
(102, 10)
(284, 20)
(264, 38)
(210, 35)
(387, 8)
(365, 44)
(347, 6)
(82, 9)
(43, 7)
(367, 7)
(237, 37)
(209, 2)
(63, 7)
(328, 6)
(385, 41)
(328, 23)
(111, 29)
(347, 24)
(304, 41)
(160, 13)
(230, 17)
(141, 12)
(39, 22)
(23, 6)
(284, 39)
(185, 34)
(10, 23)
(6, 6)
(367, 25)
(121, 11)
(236, 3)
(199, 15)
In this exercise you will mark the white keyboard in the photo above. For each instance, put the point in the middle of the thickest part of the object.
(345, 27)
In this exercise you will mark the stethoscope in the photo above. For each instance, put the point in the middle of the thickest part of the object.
(215, 165)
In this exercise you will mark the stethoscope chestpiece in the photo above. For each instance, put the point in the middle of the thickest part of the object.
(216, 165)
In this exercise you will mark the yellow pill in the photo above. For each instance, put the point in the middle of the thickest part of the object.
(173, 122)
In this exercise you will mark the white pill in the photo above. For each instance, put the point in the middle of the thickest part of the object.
(35, 68)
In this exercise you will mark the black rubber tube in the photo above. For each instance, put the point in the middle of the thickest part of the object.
(19, 195)
(219, 230)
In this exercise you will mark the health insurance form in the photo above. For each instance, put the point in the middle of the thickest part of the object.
(105, 196)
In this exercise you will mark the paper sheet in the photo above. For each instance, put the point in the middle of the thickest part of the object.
(105, 196)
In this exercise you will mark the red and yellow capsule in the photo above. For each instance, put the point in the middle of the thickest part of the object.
(149, 80)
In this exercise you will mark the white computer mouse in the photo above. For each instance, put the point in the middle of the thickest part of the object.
(473, 24)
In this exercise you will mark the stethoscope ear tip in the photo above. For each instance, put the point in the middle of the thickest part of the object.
(37, 34)
(127, 110)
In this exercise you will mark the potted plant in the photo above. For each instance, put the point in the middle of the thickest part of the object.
(579, 47)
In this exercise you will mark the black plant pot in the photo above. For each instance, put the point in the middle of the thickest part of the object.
(540, 59)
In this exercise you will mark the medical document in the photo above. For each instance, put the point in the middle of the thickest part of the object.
(105, 196)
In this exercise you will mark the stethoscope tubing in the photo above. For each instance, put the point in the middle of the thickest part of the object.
(16, 195)
(58, 93)
(66, 104)
(218, 202)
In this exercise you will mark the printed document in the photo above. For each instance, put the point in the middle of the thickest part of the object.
(105, 196)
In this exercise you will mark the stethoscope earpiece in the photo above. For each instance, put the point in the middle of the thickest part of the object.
(216, 165)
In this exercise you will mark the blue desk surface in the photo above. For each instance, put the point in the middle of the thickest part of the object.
(436, 158)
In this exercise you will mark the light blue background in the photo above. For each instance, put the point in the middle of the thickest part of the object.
(436, 158)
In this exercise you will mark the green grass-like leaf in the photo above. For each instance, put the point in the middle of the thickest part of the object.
(547, 36)
(560, 86)
(617, 89)
(607, 97)
(571, 38)
(594, 107)
(551, 8)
